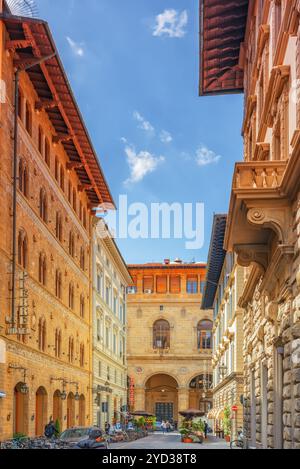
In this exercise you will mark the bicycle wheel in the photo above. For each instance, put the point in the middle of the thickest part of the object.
(236, 444)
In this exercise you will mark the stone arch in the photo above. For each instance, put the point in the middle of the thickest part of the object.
(82, 406)
(161, 396)
(20, 410)
(57, 407)
(41, 414)
(70, 410)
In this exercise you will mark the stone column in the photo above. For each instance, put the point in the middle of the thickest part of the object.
(183, 400)
(139, 398)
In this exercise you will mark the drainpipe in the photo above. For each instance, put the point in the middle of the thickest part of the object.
(15, 184)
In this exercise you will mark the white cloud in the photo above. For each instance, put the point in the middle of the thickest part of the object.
(143, 123)
(76, 47)
(205, 156)
(171, 23)
(166, 137)
(140, 164)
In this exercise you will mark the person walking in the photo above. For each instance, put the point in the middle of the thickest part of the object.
(107, 428)
(50, 430)
(205, 429)
(163, 427)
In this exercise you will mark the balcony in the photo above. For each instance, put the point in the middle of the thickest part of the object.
(259, 210)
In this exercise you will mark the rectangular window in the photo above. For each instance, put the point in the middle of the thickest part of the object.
(175, 284)
(115, 344)
(115, 305)
(162, 284)
(99, 369)
(148, 285)
(107, 337)
(192, 285)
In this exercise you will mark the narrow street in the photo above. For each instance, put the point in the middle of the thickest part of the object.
(171, 441)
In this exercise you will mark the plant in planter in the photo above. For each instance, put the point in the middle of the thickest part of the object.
(227, 423)
(198, 428)
(185, 435)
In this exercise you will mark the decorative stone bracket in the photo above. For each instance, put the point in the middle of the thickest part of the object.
(277, 219)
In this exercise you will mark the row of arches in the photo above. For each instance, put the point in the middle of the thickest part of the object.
(162, 335)
(46, 408)
(162, 395)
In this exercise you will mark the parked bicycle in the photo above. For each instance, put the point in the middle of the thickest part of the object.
(240, 442)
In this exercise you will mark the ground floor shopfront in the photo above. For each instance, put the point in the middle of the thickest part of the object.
(36, 390)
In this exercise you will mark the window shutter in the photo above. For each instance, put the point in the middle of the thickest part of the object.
(161, 284)
(175, 284)
(148, 284)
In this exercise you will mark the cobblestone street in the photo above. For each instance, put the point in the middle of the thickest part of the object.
(171, 441)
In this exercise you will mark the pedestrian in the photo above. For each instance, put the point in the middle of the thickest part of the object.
(107, 428)
(168, 427)
(205, 429)
(50, 430)
(163, 426)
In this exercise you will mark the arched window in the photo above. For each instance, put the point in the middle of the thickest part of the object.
(41, 140)
(80, 210)
(42, 268)
(22, 249)
(74, 200)
(71, 350)
(82, 306)
(71, 296)
(161, 335)
(58, 226)
(204, 335)
(69, 191)
(82, 355)
(23, 177)
(56, 169)
(82, 258)
(20, 105)
(47, 152)
(42, 331)
(84, 217)
(62, 178)
(43, 205)
(202, 382)
(58, 343)
(58, 284)
(72, 244)
(28, 118)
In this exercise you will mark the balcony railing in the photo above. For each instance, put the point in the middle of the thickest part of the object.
(259, 175)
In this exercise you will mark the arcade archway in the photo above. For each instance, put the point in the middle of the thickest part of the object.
(162, 397)
(57, 407)
(200, 393)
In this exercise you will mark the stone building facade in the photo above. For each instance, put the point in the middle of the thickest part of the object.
(223, 289)
(110, 281)
(264, 219)
(45, 340)
(169, 340)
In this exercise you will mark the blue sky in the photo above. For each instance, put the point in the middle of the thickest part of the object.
(135, 77)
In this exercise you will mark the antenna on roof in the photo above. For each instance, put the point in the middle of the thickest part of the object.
(23, 8)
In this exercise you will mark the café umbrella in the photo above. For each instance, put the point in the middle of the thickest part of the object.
(191, 413)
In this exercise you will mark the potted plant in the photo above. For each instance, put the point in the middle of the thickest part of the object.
(185, 435)
(198, 430)
(227, 424)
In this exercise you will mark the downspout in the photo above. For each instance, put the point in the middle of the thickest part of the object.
(15, 184)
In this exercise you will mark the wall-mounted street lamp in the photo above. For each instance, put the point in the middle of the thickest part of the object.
(24, 389)
(77, 395)
(63, 394)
